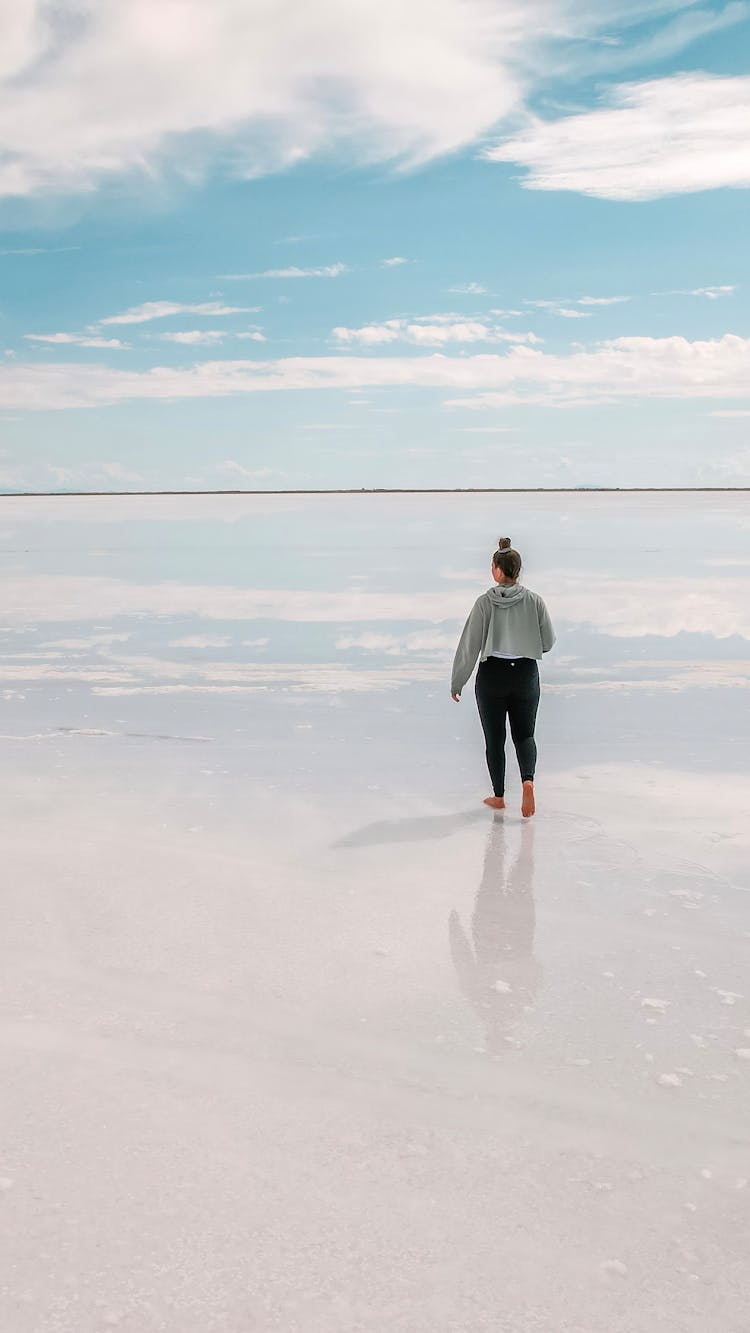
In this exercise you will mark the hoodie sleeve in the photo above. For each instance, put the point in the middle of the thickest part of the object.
(469, 647)
(545, 626)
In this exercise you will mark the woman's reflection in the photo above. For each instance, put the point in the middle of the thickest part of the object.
(500, 975)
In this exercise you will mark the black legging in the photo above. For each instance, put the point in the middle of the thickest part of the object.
(508, 688)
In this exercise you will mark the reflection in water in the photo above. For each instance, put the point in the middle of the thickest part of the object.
(416, 829)
(499, 975)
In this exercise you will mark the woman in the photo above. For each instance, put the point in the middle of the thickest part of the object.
(508, 630)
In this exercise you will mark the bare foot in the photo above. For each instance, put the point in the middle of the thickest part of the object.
(496, 802)
(527, 802)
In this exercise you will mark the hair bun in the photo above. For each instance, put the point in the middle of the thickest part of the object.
(503, 544)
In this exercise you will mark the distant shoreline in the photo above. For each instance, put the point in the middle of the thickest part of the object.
(407, 490)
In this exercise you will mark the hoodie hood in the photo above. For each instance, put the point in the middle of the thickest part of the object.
(503, 595)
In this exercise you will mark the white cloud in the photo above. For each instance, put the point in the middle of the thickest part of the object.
(41, 250)
(661, 137)
(601, 300)
(143, 314)
(237, 86)
(92, 90)
(191, 337)
(74, 339)
(429, 331)
(726, 469)
(619, 368)
(208, 337)
(327, 271)
(117, 472)
(469, 289)
(714, 293)
(369, 335)
(611, 371)
(395, 262)
(711, 293)
(555, 308)
(737, 412)
(92, 476)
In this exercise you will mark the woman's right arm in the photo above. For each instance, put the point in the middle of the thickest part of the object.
(469, 648)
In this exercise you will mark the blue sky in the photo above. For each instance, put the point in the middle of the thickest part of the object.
(467, 243)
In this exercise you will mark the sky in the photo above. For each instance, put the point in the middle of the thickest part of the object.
(357, 243)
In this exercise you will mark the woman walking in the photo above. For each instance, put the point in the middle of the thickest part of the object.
(508, 629)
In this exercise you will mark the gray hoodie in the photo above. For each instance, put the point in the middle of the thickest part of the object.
(507, 619)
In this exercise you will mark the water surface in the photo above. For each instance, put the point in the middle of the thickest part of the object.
(297, 1034)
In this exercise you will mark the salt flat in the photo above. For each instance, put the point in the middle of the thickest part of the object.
(296, 1035)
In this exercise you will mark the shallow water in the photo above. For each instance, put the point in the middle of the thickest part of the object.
(296, 1033)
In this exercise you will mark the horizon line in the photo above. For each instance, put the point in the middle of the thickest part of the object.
(398, 490)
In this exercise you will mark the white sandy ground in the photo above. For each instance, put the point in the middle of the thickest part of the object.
(297, 1037)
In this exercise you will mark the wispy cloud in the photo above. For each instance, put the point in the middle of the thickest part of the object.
(297, 238)
(567, 308)
(429, 331)
(565, 312)
(194, 337)
(711, 293)
(231, 466)
(622, 368)
(75, 339)
(208, 337)
(666, 41)
(142, 314)
(269, 92)
(655, 138)
(714, 293)
(468, 289)
(327, 271)
(272, 93)
(727, 469)
(41, 250)
(395, 262)
(90, 476)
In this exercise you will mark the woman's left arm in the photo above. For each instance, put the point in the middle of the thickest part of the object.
(545, 627)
